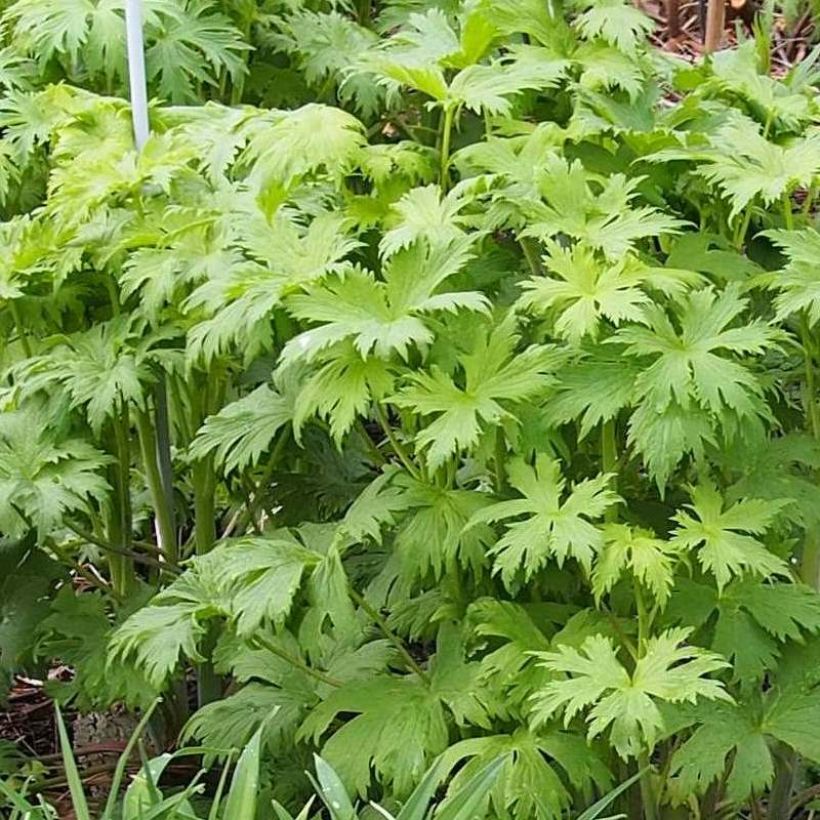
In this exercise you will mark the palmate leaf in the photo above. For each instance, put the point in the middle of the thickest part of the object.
(746, 166)
(495, 378)
(424, 214)
(327, 44)
(557, 525)
(617, 23)
(540, 769)
(248, 581)
(690, 366)
(387, 316)
(584, 289)
(284, 146)
(592, 390)
(627, 705)
(432, 536)
(187, 43)
(650, 560)
(156, 636)
(754, 620)
(587, 208)
(342, 389)
(799, 281)
(400, 723)
(478, 87)
(43, 478)
(239, 298)
(101, 370)
(243, 429)
(723, 536)
(749, 731)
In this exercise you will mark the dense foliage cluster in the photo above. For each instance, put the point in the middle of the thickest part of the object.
(439, 382)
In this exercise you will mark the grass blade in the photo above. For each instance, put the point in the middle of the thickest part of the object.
(119, 772)
(466, 803)
(241, 802)
(75, 784)
(594, 811)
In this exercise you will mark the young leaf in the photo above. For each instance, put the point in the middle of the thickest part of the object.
(558, 524)
(626, 703)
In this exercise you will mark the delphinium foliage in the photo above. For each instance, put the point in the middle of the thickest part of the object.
(438, 383)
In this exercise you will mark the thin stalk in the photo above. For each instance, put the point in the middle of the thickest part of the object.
(204, 483)
(446, 136)
(809, 200)
(297, 663)
(397, 446)
(780, 796)
(166, 532)
(18, 321)
(812, 418)
(743, 227)
(648, 797)
(388, 633)
(252, 504)
(119, 513)
(788, 215)
(500, 459)
(163, 452)
(609, 457)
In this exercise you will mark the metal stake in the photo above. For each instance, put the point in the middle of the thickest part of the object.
(136, 71)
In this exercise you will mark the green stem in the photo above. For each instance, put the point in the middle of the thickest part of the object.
(397, 446)
(743, 227)
(812, 418)
(788, 215)
(500, 459)
(648, 797)
(119, 513)
(297, 663)
(388, 633)
(163, 453)
(18, 321)
(166, 532)
(609, 458)
(446, 136)
(809, 200)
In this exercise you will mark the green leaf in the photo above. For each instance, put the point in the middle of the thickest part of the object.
(495, 377)
(75, 783)
(719, 535)
(332, 791)
(242, 797)
(650, 560)
(243, 429)
(557, 525)
(627, 704)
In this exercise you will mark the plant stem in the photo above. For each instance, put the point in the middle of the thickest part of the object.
(446, 135)
(119, 513)
(811, 410)
(297, 663)
(18, 321)
(609, 459)
(788, 215)
(166, 532)
(500, 458)
(388, 633)
(648, 796)
(397, 446)
(163, 450)
(743, 227)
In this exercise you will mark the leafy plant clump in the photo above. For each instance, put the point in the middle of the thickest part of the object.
(438, 384)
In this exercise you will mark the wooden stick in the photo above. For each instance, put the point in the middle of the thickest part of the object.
(672, 18)
(715, 22)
